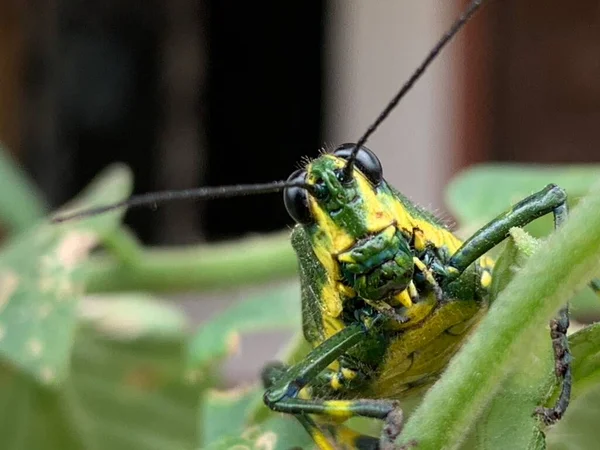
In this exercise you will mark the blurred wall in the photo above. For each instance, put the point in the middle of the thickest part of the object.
(371, 49)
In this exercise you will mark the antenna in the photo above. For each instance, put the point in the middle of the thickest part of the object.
(276, 186)
(455, 28)
(154, 198)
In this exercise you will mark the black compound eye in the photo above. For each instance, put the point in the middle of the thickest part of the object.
(365, 160)
(296, 199)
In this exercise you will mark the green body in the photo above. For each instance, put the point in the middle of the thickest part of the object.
(388, 296)
(395, 362)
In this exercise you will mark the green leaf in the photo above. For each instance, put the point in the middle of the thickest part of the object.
(585, 349)
(482, 192)
(518, 248)
(132, 316)
(21, 204)
(510, 412)
(274, 310)
(564, 264)
(227, 422)
(252, 260)
(123, 393)
(40, 287)
(226, 413)
(578, 429)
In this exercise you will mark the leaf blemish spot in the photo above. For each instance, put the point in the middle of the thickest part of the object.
(47, 375)
(75, 247)
(8, 285)
(233, 343)
(266, 441)
(35, 347)
(45, 310)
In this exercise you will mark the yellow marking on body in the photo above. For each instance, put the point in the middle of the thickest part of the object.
(428, 233)
(404, 298)
(486, 262)
(420, 242)
(338, 408)
(305, 393)
(347, 291)
(425, 271)
(331, 326)
(334, 366)
(377, 216)
(417, 313)
(346, 257)
(486, 279)
(332, 302)
(422, 351)
(412, 291)
(348, 374)
(335, 382)
(335, 239)
(452, 271)
(321, 440)
(321, 247)
(346, 437)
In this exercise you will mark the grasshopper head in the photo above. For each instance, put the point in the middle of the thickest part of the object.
(352, 224)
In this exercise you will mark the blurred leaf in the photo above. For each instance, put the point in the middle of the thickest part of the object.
(578, 429)
(21, 204)
(226, 423)
(227, 412)
(518, 248)
(40, 288)
(510, 412)
(121, 394)
(480, 193)
(132, 316)
(585, 349)
(274, 310)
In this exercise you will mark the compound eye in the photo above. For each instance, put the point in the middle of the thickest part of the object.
(296, 199)
(365, 160)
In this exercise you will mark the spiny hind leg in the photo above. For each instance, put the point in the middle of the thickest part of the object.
(335, 436)
(551, 199)
(562, 367)
(329, 433)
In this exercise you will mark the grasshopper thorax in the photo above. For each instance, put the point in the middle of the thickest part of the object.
(351, 223)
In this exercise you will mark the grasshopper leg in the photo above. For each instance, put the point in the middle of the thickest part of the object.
(284, 385)
(551, 199)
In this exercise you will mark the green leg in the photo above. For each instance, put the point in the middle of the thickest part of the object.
(550, 199)
(386, 410)
(288, 383)
(283, 386)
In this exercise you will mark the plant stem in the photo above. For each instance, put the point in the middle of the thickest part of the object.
(566, 262)
(251, 260)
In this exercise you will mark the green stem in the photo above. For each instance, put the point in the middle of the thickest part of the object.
(568, 260)
(124, 246)
(251, 260)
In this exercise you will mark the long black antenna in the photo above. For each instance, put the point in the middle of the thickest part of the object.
(460, 22)
(250, 189)
(155, 198)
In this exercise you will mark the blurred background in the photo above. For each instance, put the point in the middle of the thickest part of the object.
(192, 92)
